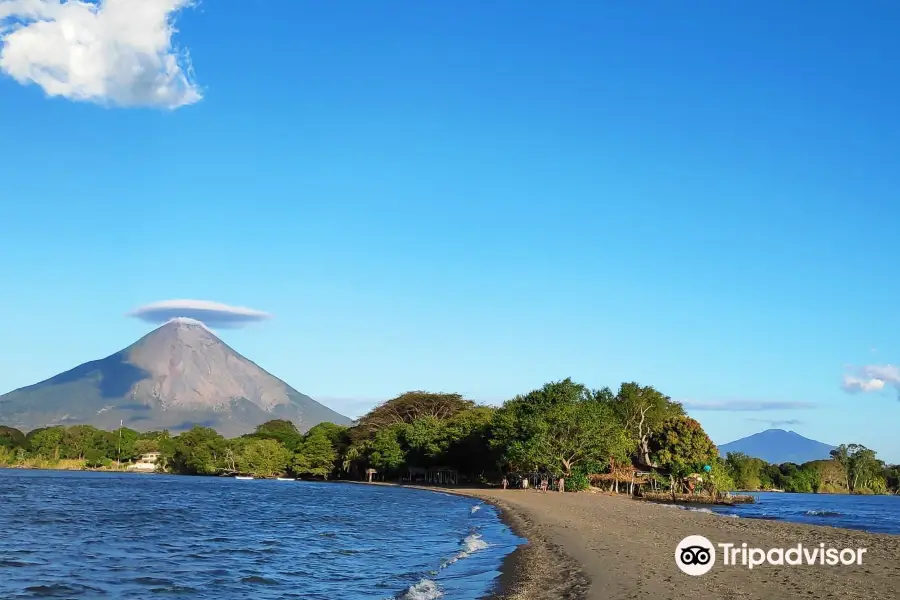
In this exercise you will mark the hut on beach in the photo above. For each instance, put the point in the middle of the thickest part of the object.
(628, 475)
(433, 475)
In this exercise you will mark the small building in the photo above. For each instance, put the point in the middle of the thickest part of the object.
(147, 462)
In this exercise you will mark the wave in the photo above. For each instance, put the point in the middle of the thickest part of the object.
(822, 513)
(426, 589)
(702, 510)
(470, 544)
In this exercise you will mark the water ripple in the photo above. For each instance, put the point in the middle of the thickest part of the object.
(98, 535)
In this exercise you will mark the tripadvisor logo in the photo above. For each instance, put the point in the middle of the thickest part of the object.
(696, 555)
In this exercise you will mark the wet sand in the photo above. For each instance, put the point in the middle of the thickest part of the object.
(597, 546)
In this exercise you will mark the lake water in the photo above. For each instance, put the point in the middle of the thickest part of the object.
(102, 535)
(878, 514)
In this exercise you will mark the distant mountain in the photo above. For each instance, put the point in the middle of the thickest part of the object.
(176, 376)
(779, 446)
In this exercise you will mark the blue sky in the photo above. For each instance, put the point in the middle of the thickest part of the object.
(473, 198)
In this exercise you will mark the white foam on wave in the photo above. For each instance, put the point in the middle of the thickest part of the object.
(471, 544)
(426, 589)
(822, 513)
(710, 512)
(474, 543)
(702, 510)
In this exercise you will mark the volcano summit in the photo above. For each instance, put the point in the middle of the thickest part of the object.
(176, 376)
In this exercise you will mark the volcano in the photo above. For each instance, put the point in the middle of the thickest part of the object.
(175, 377)
(778, 446)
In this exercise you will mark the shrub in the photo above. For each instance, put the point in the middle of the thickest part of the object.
(577, 482)
(94, 458)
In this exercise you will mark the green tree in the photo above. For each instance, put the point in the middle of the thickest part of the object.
(145, 446)
(802, 479)
(892, 477)
(745, 471)
(842, 455)
(860, 465)
(877, 485)
(47, 442)
(281, 430)
(11, 438)
(643, 410)
(380, 437)
(386, 452)
(719, 478)
(316, 455)
(866, 468)
(467, 438)
(77, 440)
(559, 427)
(124, 439)
(152, 441)
(830, 475)
(425, 440)
(198, 451)
(770, 477)
(94, 458)
(407, 408)
(681, 447)
(263, 457)
(101, 441)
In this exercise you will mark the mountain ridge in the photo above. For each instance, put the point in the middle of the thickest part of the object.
(176, 376)
(779, 446)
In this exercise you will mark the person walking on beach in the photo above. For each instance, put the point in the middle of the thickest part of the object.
(561, 484)
(505, 482)
(544, 485)
(524, 483)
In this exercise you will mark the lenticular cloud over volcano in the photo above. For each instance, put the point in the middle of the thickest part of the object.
(212, 314)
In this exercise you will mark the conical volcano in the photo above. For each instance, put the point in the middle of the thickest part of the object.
(175, 377)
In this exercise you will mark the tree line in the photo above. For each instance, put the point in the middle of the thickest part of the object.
(852, 469)
(563, 428)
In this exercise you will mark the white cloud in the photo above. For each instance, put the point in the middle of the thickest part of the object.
(212, 314)
(872, 378)
(115, 52)
(855, 384)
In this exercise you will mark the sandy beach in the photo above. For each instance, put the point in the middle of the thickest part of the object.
(596, 546)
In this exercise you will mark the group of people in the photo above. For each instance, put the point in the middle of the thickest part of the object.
(544, 484)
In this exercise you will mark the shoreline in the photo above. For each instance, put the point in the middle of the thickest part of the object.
(592, 545)
(525, 573)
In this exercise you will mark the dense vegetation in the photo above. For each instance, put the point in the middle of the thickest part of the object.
(853, 468)
(563, 428)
